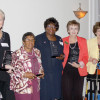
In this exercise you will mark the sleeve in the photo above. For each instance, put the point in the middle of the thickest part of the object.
(17, 64)
(39, 62)
(90, 66)
(84, 60)
(9, 42)
(62, 47)
(37, 42)
(41, 68)
(17, 75)
(85, 53)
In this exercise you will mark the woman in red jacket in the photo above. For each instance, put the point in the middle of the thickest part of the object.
(76, 57)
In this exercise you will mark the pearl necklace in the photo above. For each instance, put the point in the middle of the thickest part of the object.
(31, 54)
(73, 46)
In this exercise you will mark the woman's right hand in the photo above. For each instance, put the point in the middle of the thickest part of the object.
(29, 75)
(93, 60)
(10, 68)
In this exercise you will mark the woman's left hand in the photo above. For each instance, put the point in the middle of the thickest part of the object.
(61, 57)
(74, 64)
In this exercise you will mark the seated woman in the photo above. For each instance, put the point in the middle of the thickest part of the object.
(27, 70)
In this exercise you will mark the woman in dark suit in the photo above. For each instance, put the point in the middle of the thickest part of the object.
(4, 76)
(76, 57)
(51, 48)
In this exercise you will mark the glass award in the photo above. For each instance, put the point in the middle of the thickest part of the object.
(74, 55)
(54, 50)
(7, 59)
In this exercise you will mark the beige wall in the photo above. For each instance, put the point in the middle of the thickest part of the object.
(29, 15)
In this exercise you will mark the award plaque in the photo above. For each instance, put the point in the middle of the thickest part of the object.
(7, 58)
(74, 59)
(54, 50)
(74, 55)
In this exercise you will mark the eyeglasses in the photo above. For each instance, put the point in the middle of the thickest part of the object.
(28, 40)
(51, 26)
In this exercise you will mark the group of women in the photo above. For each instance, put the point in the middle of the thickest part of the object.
(47, 67)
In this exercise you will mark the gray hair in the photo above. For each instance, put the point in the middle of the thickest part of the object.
(3, 14)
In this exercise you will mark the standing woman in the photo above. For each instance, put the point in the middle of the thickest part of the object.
(76, 57)
(94, 58)
(26, 63)
(93, 49)
(51, 48)
(4, 45)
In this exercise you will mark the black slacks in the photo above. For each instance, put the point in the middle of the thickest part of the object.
(72, 85)
(4, 86)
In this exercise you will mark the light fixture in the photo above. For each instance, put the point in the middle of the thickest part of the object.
(79, 13)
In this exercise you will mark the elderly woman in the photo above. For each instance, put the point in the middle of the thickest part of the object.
(4, 76)
(51, 48)
(94, 57)
(76, 57)
(93, 49)
(27, 70)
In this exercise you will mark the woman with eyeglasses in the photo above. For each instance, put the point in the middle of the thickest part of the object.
(26, 70)
(51, 48)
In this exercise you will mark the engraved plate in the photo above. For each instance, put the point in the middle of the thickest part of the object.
(54, 50)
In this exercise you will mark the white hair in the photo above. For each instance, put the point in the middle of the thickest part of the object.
(3, 14)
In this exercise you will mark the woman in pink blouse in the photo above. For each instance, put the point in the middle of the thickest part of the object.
(26, 64)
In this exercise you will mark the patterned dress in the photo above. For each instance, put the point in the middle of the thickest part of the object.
(25, 88)
(50, 86)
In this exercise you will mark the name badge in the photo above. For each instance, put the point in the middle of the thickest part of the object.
(61, 43)
(4, 45)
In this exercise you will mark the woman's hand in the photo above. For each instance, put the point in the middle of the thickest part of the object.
(10, 68)
(74, 64)
(61, 57)
(41, 76)
(29, 75)
(93, 60)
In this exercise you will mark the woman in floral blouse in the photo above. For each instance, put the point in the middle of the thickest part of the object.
(26, 64)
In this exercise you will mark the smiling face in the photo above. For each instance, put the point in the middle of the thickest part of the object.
(1, 21)
(73, 30)
(29, 43)
(98, 33)
(50, 29)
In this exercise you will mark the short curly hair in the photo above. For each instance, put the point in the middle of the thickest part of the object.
(53, 21)
(27, 34)
(96, 27)
(73, 22)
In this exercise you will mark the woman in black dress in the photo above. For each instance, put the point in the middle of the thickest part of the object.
(51, 48)
(4, 76)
